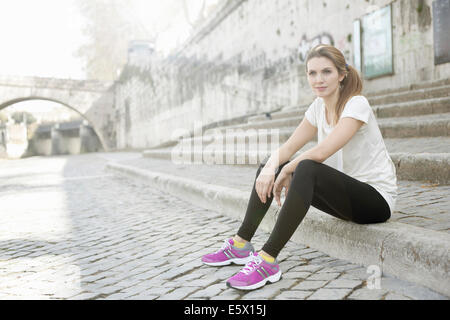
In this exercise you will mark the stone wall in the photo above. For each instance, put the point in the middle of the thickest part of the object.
(248, 58)
(65, 138)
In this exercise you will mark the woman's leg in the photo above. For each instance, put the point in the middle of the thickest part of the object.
(256, 210)
(329, 190)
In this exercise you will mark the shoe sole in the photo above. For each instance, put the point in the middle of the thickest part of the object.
(272, 279)
(238, 261)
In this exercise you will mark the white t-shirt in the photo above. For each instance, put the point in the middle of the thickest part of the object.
(365, 156)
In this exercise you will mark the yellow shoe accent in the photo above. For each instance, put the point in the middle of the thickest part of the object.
(238, 244)
(267, 258)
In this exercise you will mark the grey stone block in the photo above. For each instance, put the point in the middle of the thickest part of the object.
(294, 295)
(310, 285)
(367, 294)
(324, 276)
(329, 294)
(343, 283)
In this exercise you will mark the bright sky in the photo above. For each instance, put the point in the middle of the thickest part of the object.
(40, 37)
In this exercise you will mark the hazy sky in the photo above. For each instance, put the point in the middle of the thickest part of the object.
(40, 37)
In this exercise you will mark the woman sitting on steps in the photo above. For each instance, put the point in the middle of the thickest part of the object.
(348, 174)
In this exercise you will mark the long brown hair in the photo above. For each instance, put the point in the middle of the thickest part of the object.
(350, 86)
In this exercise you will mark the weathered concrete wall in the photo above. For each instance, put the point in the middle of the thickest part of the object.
(72, 138)
(65, 142)
(249, 58)
(42, 146)
(88, 140)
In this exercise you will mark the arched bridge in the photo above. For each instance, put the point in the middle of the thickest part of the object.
(94, 100)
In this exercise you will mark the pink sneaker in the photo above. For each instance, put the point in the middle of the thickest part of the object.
(255, 274)
(229, 254)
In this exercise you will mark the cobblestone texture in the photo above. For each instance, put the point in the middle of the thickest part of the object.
(70, 230)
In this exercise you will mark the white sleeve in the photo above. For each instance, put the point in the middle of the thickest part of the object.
(311, 113)
(357, 108)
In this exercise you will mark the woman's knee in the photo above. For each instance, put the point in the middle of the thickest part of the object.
(307, 167)
(369, 219)
(261, 166)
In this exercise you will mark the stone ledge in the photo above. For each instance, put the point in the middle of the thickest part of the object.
(410, 253)
(432, 167)
(423, 166)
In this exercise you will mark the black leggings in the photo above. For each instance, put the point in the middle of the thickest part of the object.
(323, 187)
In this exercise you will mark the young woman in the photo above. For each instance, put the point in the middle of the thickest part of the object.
(348, 174)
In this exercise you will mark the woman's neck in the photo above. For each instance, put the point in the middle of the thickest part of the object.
(331, 101)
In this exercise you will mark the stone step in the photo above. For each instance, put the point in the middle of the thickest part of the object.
(432, 125)
(293, 116)
(292, 113)
(412, 161)
(413, 108)
(411, 87)
(418, 145)
(410, 252)
(393, 145)
(399, 109)
(417, 94)
(422, 98)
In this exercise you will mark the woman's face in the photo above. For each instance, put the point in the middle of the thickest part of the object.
(323, 76)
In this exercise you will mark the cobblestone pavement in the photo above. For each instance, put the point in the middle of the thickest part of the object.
(71, 230)
(422, 204)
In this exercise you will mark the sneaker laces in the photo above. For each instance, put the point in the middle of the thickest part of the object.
(226, 245)
(252, 264)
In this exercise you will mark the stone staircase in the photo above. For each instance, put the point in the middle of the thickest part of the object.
(416, 133)
(217, 169)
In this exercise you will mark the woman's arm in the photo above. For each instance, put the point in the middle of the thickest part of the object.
(341, 134)
(304, 133)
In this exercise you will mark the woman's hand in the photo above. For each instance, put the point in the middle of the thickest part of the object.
(283, 181)
(264, 183)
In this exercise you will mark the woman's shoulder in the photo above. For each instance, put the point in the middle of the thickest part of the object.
(357, 107)
(359, 102)
(358, 98)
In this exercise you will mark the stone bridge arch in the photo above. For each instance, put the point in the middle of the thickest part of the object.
(93, 100)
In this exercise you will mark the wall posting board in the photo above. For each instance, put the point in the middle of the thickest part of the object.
(377, 43)
(441, 31)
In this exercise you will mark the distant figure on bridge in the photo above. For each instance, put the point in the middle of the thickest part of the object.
(348, 174)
